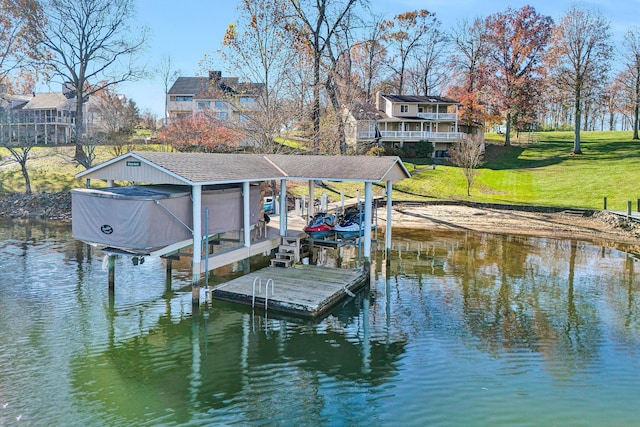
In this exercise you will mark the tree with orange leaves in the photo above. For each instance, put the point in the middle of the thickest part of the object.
(518, 39)
(199, 133)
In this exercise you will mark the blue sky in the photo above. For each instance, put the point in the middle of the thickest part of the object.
(188, 29)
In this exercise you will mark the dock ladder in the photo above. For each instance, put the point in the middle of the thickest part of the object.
(258, 280)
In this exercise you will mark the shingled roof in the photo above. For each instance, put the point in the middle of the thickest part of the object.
(208, 87)
(421, 99)
(215, 168)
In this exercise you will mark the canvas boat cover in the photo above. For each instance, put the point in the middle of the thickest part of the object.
(142, 219)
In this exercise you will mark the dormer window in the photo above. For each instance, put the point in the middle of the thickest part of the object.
(404, 108)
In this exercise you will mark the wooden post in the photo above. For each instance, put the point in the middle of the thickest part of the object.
(605, 204)
(168, 278)
(629, 208)
(111, 266)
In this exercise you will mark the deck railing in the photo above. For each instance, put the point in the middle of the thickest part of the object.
(414, 135)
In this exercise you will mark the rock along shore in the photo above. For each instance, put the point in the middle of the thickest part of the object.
(47, 206)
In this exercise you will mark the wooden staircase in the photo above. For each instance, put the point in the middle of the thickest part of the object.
(288, 252)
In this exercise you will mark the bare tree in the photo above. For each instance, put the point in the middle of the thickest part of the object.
(259, 50)
(90, 47)
(316, 23)
(167, 75)
(467, 155)
(19, 141)
(404, 34)
(428, 71)
(368, 58)
(631, 53)
(578, 58)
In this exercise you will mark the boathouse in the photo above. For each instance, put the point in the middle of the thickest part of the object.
(179, 195)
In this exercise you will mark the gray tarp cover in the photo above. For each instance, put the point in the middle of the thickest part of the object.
(146, 218)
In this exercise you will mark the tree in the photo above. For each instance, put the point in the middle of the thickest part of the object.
(518, 39)
(118, 117)
(259, 50)
(368, 57)
(315, 25)
(167, 75)
(467, 154)
(631, 53)
(405, 33)
(90, 47)
(578, 58)
(429, 73)
(471, 49)
(15, 34)
(199, 134)
(18, 141)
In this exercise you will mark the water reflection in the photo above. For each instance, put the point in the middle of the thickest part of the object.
(456, 328)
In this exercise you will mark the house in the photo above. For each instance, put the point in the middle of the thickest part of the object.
(44, 118)
(41, 118)
(396, 120)
(225, 98)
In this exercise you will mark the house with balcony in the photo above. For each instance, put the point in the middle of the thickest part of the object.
(222, 98)
(396, 120)
(39, 118)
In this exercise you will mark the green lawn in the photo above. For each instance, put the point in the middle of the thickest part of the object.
(544, 173)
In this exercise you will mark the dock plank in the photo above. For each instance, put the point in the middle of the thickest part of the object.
(304, 290)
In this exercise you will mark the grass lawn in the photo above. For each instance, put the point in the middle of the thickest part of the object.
(543, 173)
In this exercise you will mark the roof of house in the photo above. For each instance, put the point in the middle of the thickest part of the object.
(204, 88)
(366, 111)
(216, 168)
(420, 99)
(42, 101)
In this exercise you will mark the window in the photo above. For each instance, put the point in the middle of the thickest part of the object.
(221, 116)
(245, 99)
(182, 98)
(221, 105)
(204, 105)
(404, 108)
(420, 109)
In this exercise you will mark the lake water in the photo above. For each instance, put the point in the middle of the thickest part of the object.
(456, 329)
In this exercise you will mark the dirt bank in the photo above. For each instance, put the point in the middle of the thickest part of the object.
(584, 225)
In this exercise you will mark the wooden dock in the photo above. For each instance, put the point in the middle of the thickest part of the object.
(302, 290)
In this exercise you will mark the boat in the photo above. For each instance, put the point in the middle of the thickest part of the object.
(351, 226)
(321, 225)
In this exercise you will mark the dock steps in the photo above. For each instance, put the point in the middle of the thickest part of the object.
(288, 252)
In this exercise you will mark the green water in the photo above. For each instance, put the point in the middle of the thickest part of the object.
(456, 329)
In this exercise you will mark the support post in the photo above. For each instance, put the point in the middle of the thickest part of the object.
(168, 277)
(311, 209)
(387, 234)
(283, 207)
(246, 213)
(196, 192)
(605, 204)
(111, 266)
(368, 199)
(629, 208)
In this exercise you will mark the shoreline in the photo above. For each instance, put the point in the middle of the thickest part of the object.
(538, 221)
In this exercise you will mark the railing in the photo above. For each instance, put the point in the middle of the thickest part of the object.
(415, 135)
(258, 280)
(438, 116)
